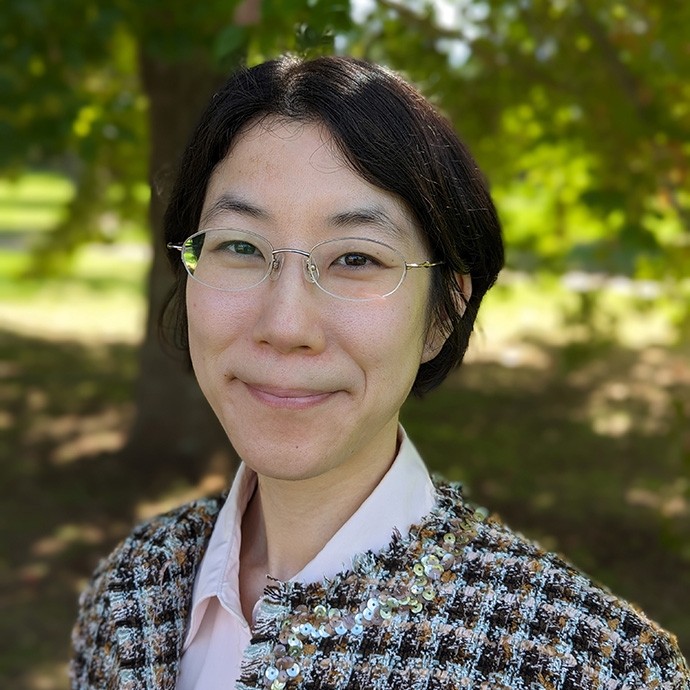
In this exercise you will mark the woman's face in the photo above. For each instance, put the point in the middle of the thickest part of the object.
(306, 384)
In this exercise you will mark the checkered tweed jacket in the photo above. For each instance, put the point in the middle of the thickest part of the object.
(460, 602)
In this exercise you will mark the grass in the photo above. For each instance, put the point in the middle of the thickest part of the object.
(568, 419)
(98, 296)
(32, 203)
(101, 288)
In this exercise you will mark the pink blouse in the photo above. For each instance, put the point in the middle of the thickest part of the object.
(219, 633)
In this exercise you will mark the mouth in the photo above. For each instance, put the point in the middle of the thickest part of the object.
(287, 398)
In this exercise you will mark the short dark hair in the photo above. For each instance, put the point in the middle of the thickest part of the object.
(391, 136)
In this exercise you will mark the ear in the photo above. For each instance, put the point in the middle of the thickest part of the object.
(438, 332)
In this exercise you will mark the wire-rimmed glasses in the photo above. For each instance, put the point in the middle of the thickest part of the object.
(351, 268)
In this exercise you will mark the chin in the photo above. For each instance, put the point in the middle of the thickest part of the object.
(284, 460)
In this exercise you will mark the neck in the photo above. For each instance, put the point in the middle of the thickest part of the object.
(287, 523)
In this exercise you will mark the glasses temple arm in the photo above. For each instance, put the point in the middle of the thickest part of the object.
(424, 264)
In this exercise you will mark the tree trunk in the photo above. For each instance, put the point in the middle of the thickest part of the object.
(174, 434)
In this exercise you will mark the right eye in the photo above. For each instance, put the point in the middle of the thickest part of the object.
(241, 247)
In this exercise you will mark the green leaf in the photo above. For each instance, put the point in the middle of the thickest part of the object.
(229, 41)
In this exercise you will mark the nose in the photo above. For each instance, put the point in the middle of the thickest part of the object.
(290, 316)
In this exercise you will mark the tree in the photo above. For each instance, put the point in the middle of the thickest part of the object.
(536, 85)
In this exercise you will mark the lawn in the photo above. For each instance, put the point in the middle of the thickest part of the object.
(568, 419)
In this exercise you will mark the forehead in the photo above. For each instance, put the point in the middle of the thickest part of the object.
(286, 171)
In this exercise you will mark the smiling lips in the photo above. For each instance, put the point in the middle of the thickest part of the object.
(287, 398)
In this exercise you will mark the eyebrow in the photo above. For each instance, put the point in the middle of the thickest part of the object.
(372, 216)
(234, 204)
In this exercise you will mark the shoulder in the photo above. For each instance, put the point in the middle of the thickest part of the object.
(566, 624)
(150, 570)
(182, 530)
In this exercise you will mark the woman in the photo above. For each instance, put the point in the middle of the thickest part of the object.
(336, 241)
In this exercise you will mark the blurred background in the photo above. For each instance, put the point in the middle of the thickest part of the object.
(571, 415)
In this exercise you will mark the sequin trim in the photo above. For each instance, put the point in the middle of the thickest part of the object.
(409, 593)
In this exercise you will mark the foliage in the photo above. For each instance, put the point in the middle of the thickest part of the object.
(72, 102)
(578, 108)
(72, 98)
(582, 105)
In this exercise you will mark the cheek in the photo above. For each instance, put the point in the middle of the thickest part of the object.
(394, 338)
(212, 320)
(198, 313)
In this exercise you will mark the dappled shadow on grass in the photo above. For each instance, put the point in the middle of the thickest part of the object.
(583, 447)
(57, 511)
(66, 493)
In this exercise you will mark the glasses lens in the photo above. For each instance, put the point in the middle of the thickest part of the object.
(227, 259)
(357, 269)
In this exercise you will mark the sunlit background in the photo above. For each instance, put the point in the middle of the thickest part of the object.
(571, 415)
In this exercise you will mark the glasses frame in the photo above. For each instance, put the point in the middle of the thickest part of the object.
(310, 268)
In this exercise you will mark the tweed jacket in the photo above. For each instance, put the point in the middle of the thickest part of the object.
(460, 602)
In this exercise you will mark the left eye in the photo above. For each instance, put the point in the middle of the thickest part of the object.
(356, 260)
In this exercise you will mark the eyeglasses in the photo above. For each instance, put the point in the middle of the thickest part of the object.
(351, 268)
